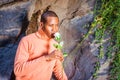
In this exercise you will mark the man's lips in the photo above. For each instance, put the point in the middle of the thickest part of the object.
(52, 35)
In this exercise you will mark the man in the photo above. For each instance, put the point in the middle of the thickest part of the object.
(36, 57)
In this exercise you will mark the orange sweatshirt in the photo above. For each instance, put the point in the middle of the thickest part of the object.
(30, 61)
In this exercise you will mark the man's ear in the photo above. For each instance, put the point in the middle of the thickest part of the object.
(41, 25)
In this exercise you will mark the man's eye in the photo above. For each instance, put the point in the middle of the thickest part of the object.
(58, 25)
(50, 25)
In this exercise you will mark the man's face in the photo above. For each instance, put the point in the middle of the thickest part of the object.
(51, 26)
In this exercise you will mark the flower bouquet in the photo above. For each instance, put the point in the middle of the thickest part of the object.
(59, 46)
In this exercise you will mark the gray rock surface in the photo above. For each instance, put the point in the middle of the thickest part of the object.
(13, 20)
(13, 23)
(2, 2)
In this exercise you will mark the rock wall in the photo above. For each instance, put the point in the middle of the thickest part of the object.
(75, 18)
(13, 22)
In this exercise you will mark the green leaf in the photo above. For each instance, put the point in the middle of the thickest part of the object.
(65, 54)
(55, 45)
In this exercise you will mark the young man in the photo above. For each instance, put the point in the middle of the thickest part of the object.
(36, 57)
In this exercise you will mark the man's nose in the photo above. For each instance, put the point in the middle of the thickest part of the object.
(54, 28)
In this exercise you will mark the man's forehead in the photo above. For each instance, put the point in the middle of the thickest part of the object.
(52, 19)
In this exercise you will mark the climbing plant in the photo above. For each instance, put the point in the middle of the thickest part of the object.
(107, 22)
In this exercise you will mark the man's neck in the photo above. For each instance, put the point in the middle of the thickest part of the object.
(43, 34)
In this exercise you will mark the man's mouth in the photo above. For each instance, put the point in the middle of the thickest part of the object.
(52, 35)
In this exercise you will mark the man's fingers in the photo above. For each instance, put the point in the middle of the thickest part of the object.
(59, 57)
(56, 55)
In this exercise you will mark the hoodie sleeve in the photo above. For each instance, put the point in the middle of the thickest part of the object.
(59, 71)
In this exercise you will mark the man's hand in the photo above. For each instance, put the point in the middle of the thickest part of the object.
(55, 55)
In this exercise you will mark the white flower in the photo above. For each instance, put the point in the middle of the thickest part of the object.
(57, 36)
(59, 46)
(61, 43)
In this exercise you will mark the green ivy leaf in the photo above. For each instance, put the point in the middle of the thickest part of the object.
(65, 54)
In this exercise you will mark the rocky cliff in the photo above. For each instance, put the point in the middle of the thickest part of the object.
(19, 18)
